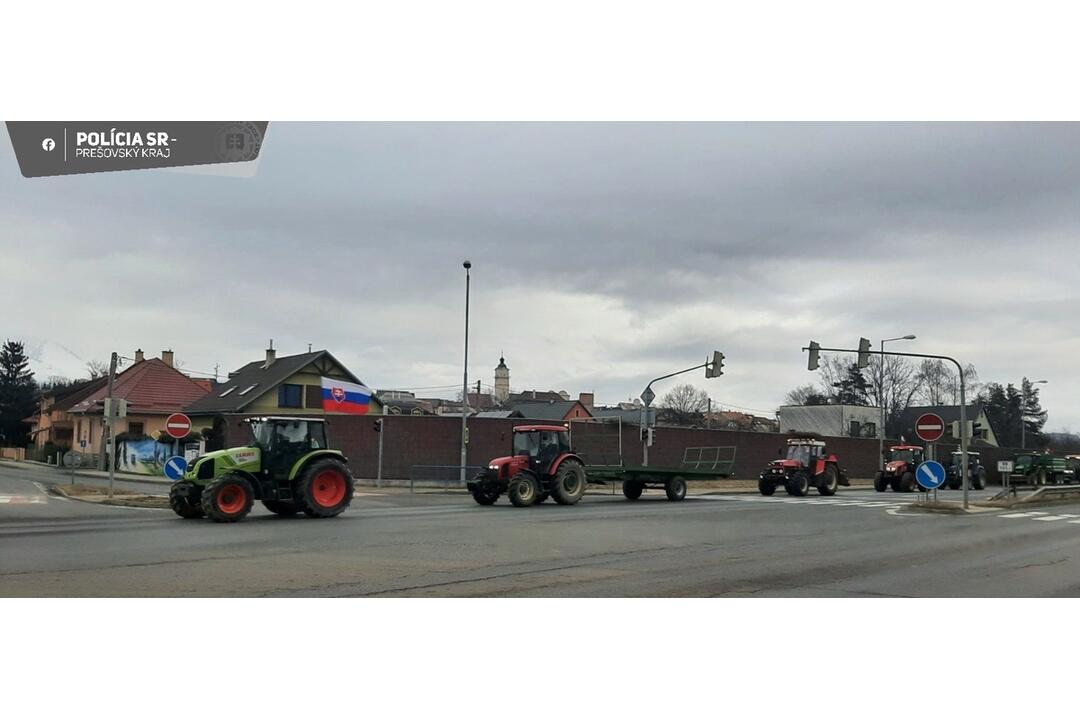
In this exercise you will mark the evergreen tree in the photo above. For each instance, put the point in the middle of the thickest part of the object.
(1034, 417)
(852, 388)
(18, 393)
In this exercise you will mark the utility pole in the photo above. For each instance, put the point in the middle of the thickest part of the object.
(465, 382)
(112, 411)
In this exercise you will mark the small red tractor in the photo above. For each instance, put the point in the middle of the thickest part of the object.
(806, 464)
(541, 465)
(899, 472)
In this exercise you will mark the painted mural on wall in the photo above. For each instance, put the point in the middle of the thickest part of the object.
(141, 455)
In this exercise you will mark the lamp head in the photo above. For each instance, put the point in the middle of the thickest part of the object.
(466, 264)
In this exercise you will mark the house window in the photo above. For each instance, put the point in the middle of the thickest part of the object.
(135, 428)
(290, 396)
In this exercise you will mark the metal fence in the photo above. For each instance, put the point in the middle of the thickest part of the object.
(445, 476)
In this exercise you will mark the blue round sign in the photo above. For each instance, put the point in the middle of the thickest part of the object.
(175, 467)
(930, 474)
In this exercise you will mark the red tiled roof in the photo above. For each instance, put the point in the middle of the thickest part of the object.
(150, 387)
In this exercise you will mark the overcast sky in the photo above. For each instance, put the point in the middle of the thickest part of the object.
(603, 254)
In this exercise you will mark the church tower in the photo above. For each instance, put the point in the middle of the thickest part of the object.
(502, 381)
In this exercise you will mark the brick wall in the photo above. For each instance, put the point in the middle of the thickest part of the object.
(410, 440)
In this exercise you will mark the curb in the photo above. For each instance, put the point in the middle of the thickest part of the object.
(117, 502)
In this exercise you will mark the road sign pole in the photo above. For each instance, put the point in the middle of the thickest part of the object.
(111, 460)
(378, 472)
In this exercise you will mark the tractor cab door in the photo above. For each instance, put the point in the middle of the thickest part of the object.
(552, 446)
(289, 441)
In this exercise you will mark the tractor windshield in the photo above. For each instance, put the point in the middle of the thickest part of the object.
(262, 432)
(527, 443)
(283, 435)
(801, 453)
(906, 455)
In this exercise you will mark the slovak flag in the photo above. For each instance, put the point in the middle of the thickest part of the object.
(339, 396)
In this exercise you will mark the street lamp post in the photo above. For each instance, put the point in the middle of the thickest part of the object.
(881, 389)
(465, 379)
(1023, 410)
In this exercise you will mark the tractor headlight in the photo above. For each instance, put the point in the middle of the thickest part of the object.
(493, 467)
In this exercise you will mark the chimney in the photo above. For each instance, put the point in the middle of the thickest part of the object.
(139, 357)
(270, 356)
(586, 399)
(166, 357)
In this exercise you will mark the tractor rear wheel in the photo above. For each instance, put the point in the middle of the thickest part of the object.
(829, 481)
(632, 489)
(285, 508)
(325, 488)
(880, 483)
(907, 482)
(569, 484)
(675, 488)
(523, 490)
(798, 484)
(979, 481)
(228, 499)
(180, 501)
(766, 487)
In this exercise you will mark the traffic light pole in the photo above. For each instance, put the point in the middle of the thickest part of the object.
(814, 347)
(647, 396)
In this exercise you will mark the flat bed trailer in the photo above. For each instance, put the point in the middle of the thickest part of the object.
(711, 463)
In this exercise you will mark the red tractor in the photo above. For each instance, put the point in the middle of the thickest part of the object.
(541, 465)
(899, 472)
(806, 464)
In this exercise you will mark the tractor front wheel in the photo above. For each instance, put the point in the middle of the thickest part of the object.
(228, 499)
(569, 484)
(979, 481)
(180, 501)
(798, 484)
(766, 487)
(325, 488)
(284, 508)
(880, 483)
(632, 489)
(523, 490)
(485, 497)
(907, 482)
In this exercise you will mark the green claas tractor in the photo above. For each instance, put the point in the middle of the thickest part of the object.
(287, 466)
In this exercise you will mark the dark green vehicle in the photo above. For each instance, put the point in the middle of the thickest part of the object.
(1041, 469)
(287, 466)
(954, 478)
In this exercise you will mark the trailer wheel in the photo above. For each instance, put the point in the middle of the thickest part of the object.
(907, 482)
(979, 481)
(798, 484)
(880, 483)
(569, 484)
(228, 499)
(285, 508)
(523, 490)
(632, 489)
(180, 501)
(675, 488)
(766, 487)
(829, 483)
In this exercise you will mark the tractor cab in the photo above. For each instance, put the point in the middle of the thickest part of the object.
(540, 445)
(908, 454)
(284, 440)
(803, 452)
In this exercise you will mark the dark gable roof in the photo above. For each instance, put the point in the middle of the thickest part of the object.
(72, 396)
(554, 410)
(264, 380)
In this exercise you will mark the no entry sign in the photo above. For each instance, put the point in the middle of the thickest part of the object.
(929, 427)
(178, 425)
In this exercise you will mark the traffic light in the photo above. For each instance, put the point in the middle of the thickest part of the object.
(378, 426)
(716, 367)
(976, 428)
(648, 435)
(815, 350)
(864, 353)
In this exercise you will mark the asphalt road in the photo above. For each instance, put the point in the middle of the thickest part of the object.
(859, 543)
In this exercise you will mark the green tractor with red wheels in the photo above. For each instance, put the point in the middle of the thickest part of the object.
(287, 466)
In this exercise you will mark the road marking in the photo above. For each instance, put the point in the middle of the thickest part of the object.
(23, 500)
(1050, 518)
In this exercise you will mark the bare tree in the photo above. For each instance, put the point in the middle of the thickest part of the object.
(805, 395)
(940, 383)
(96, 369)
(684, 404)
(893, 384)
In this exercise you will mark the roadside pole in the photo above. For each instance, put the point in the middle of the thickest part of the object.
(111, 421)
(713, 368)
(378, 475)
